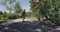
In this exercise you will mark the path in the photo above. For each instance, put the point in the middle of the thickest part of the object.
(17, 25)
(20, 20)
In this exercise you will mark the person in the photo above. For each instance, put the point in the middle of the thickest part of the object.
(23, 14)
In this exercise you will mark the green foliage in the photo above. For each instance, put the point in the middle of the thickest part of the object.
(34, 7)
(17, 8)
(1, 12)
(11, 16)
(28, 14)
(3, 2)
(47, 8)
(54, 11)
(3, 18)
(9, 8)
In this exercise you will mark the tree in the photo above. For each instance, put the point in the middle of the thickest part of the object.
(35, 7)
(5, 14)
(44, 9)
(47, 8)
(4, 2)
(10, 7)
(17, 8)
(55, 11)
(39, 8)
(1, 13)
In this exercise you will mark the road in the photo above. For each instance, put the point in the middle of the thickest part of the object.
(17, 25)
(19, 20)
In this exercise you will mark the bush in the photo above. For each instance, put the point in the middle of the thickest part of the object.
(1, 12)
(55, 19)
(3, 17)
(11, 16)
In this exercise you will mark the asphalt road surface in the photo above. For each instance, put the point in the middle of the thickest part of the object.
(17, 25)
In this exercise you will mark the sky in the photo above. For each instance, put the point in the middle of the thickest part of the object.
(24, 4)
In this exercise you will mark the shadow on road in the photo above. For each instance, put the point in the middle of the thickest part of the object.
(27, 27)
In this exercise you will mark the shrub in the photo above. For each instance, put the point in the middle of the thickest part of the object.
(11, 16)
(55, 19)
(3, 18)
